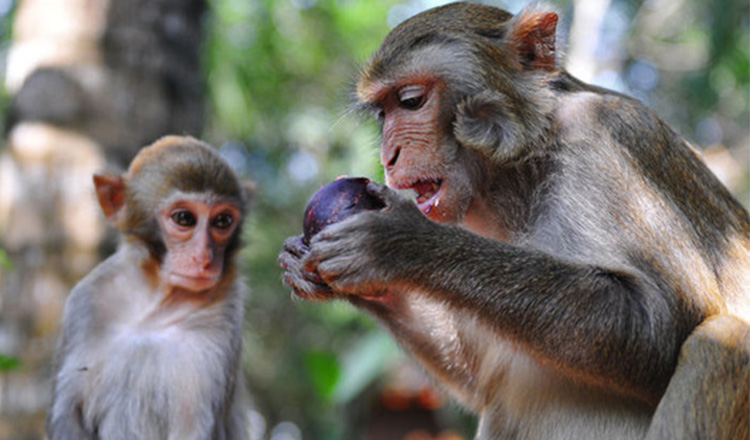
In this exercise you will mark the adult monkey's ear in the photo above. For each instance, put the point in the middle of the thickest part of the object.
(533, 36)
(110, 190)
(488, 123)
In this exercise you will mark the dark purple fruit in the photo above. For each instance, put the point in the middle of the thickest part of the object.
(336, 201)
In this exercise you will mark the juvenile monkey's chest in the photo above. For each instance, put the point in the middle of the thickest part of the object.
(161, 358)
(147, 378)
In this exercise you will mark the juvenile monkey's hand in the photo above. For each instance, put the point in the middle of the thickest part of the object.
(307, 285)
(372, 251)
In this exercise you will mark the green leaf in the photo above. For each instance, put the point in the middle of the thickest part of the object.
(363, 364)
(323, 368)
(5, 262)
(8, 363)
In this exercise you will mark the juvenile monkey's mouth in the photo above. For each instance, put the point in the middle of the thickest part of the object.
(194, 281)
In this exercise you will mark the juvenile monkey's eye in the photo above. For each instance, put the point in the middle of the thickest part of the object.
(411, 97)
(223, 221)
(183, 218)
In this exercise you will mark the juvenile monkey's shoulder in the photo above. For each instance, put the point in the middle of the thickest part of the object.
(111, 286)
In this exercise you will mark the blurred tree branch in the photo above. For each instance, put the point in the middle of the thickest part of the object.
(90, 82)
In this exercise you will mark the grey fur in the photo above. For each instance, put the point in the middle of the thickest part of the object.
(123, 374)
(609, 242)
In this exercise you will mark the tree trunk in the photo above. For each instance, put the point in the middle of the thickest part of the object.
(92, 81)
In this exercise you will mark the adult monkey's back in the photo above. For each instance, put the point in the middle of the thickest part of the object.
(578, 272)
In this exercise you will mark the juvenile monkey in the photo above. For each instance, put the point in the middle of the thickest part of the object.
(575, 271)
(151, 339)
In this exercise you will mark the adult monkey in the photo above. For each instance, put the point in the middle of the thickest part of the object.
(578, 273)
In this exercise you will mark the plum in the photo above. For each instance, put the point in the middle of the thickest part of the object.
(336, 201)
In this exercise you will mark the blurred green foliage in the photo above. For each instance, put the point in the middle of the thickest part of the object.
(5, 261)
(6, 26)
(279, 74)
(9, 363)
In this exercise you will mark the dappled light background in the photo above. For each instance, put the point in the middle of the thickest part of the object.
(277, 78)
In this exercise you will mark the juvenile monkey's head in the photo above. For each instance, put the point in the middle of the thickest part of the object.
(185, 203)
(456, 88)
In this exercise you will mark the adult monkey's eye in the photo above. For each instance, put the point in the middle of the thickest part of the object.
(411, 97)
(223, 221)
(185, 219)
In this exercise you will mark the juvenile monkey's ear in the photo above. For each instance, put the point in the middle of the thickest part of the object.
(533, 35)
(110, 190)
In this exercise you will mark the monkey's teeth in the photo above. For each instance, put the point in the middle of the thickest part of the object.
(426, 189)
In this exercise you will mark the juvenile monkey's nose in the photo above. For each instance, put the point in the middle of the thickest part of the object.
(204, 256)
(203, 260)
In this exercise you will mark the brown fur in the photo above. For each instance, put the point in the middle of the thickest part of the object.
(574, 242)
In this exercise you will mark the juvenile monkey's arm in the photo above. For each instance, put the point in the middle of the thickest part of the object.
(65, 418)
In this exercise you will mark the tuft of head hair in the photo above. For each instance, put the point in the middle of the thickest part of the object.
(181, 163)
(492, 36)
(454, 23)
